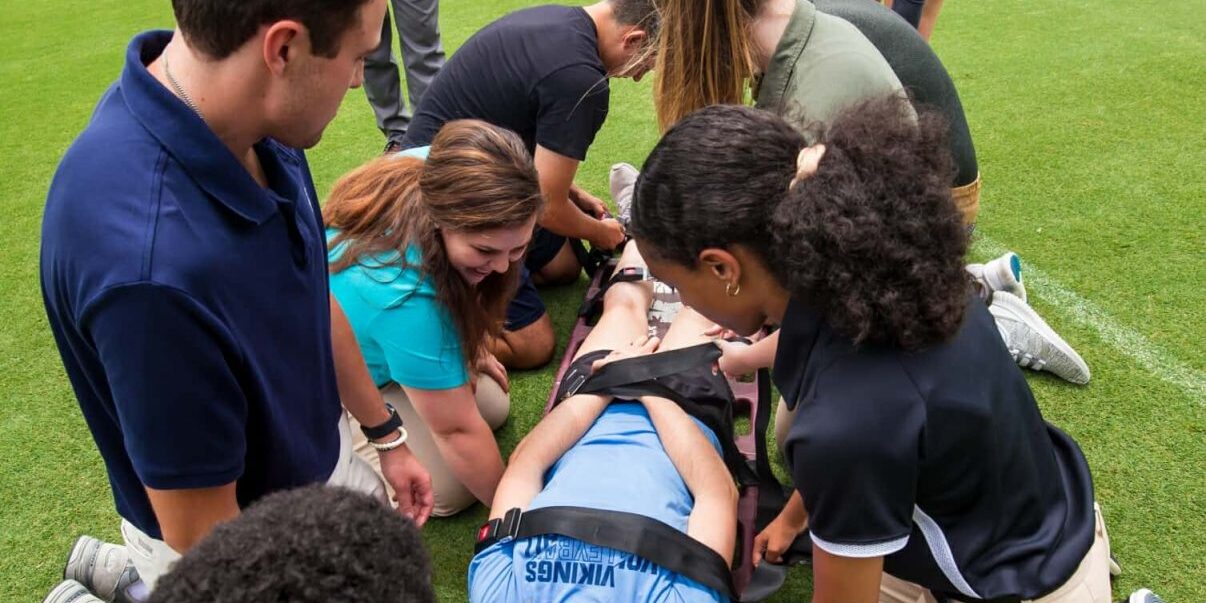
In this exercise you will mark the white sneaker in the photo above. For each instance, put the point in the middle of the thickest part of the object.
(1001, 274)
(621, 182)
(101, 567)
(1032, 343)
(1144, 595)
(70, 591)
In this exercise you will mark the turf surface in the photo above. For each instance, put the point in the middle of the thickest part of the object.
(1088, 121)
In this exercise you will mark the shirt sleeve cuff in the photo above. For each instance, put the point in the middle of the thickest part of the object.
(860, 551)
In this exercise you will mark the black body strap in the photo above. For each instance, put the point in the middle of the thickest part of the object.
(658, 375)
(645, 537)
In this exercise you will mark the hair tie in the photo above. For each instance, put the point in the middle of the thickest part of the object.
(807, 162)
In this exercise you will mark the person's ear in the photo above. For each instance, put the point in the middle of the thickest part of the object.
(721, 264)
(634, 39)
(283, 41)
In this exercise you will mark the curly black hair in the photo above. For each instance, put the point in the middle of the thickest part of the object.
(872, 240)
(316, 544)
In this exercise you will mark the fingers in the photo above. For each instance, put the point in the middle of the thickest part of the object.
(406, 504)
(714, 331)
(759, 547)
(426, 501)
(498, 373)
(639, 347)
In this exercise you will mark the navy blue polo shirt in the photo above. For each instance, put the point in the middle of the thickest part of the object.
(189, 304)
(937, 460)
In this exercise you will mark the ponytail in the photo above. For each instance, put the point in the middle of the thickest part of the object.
(704, 56)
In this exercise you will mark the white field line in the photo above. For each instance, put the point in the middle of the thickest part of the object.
(1124, 339)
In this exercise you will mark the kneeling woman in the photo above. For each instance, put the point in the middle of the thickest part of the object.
(424, 258)
(918, 449)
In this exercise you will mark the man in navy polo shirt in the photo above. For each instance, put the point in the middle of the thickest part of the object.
(184, 273)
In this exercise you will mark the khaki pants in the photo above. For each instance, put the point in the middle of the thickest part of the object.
(451, 496)
(153, 557)
(967, 200)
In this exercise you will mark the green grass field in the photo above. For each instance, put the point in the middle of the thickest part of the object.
(1088, 118)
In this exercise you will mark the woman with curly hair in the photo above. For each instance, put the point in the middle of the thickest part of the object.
(920, 460)
(425, 256)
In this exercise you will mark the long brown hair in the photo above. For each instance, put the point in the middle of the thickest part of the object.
(705, 55)
(476, 177)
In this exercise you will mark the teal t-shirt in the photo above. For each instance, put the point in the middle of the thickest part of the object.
(405, 334)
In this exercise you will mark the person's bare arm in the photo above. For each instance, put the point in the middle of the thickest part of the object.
(592, 205)
(740, 359)
(408, 477)
(187, 516)
(462, 436)
(774, 539)
(562, 216)
(845, 579)
(543, 446)
(713, 518)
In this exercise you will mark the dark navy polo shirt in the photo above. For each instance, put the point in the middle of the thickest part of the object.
(535, 71)
(938, 460)
(189, 304)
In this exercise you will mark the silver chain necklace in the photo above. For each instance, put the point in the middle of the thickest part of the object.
(180, 90)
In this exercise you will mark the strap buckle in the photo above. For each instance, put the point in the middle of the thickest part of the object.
(498, 530)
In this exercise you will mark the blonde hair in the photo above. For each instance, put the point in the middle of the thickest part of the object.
(705, 56)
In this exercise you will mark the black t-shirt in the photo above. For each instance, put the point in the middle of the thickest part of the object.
(937, 460)
(918, 69)
(535, 71)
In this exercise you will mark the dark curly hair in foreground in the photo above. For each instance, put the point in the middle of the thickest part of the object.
(872, 240)
(315, 544)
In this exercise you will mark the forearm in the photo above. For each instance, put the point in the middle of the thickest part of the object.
(563, 217)
(555, 434)
(693, 456)
(473, 456)
(187, 516)
(761, 354)
(794, 514)
(356, 388)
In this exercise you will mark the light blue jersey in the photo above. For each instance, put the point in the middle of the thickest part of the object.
(618, 465)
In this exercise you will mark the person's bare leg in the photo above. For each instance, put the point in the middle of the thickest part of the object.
(527, 348)
(929, 18)
(562, 269)
(625, 316)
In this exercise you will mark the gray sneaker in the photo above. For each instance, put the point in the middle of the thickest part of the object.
(70, 591)
(1002, 274)
(1032, 342)
(622, 181)
(102, 568)
(1144, 595)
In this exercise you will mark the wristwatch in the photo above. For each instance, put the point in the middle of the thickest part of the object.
(389, 426)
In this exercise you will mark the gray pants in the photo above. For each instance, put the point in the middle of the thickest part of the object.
(422, 55)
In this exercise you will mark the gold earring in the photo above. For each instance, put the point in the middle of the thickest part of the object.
(731, 290)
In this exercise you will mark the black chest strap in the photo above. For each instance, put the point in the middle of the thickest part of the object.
(643, 536)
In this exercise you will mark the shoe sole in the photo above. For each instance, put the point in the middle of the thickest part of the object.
(70, 591)
(81, 559)
(1032, 318)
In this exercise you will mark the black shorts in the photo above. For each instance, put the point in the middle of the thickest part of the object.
(699, 384)
(526, 307)
(544, 247)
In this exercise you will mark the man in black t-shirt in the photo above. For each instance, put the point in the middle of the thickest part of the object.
(543, 72)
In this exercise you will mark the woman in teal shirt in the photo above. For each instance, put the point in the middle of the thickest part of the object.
(424, 258)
